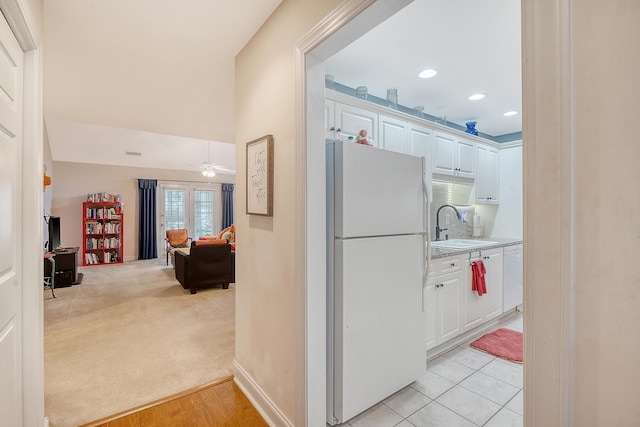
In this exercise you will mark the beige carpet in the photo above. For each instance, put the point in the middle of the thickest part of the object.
(129, 335)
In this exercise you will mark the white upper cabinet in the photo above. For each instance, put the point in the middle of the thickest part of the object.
(349, 121)
(420, 141)
(466, 158)
(444, 154)
(487, 184)
(329, 119)
(393, 134)
(453, 156)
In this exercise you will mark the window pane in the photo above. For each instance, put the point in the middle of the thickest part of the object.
(174, 209)
(203, 210)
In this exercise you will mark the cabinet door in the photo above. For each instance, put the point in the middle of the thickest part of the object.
(494, 278)
(444, 154)
(351, 120)
(493, 176)
(481, 173)
(420, 139)
(329, 119)
(474, 304)
(449, 320)
(466, 156)
(430, 304)
(512, 280)
(393, 135)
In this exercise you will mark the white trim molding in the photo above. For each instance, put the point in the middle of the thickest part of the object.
(17, 14)
(27, 32)
(548, 210)
(265, 406)
(340, 28)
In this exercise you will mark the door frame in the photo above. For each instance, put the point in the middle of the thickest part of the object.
(356, 17)
(547, 120)
(26, 29)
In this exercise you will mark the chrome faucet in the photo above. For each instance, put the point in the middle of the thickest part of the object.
(438, 229)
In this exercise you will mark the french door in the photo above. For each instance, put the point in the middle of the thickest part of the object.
(194, 207)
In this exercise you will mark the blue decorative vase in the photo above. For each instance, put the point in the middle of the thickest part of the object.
(471, 128)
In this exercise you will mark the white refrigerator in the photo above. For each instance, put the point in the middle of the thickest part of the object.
(377, 229)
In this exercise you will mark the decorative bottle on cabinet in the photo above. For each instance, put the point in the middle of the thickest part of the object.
(102, 229)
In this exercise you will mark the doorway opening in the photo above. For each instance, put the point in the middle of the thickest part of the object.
(315, 79)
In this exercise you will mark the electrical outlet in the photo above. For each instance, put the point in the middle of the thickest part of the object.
(447, 219)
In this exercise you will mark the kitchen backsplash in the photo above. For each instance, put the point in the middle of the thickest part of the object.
(456, 229)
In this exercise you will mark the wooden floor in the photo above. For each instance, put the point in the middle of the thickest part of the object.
(220, 404)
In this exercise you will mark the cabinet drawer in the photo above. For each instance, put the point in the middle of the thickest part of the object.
(448, 265)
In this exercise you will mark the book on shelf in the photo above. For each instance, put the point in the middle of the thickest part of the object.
(91, 258)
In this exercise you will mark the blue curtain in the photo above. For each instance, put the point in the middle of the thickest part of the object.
(147, 238)
(227, 205)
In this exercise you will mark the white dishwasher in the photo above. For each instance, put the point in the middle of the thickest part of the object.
(512, 293)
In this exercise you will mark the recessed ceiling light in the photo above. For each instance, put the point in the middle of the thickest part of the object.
(427, 74)
(477, 96)
(510, 113)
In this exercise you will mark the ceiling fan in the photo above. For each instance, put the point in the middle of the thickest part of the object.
(209, 169)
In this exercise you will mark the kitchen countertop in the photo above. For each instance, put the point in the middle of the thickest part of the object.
(501, 242)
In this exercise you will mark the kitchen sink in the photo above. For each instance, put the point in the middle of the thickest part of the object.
(462, 243)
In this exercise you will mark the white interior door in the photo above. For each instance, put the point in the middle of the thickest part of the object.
(11, 88)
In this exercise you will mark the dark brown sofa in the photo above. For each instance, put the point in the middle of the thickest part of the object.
(205, 266)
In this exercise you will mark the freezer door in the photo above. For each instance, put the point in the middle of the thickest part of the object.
(377, 192)
(379, 326)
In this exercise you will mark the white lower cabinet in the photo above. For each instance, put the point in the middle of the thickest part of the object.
(443, 301)
(480, 309)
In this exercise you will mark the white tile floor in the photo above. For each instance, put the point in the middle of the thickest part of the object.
(464, 387)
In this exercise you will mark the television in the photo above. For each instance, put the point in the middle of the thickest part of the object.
(54, 233)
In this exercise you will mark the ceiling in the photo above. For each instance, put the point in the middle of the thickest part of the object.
(153, 77)
(145, 76)
(474, 45)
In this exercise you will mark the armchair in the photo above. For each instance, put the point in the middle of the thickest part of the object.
(176, 239)
(207, 263)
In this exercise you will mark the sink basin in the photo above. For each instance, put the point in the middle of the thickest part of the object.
(462, 243)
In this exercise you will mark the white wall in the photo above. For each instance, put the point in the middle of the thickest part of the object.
(508, 218)
(73, 181)
(265, 279)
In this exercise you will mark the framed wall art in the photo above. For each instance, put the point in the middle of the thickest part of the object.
(260, 176)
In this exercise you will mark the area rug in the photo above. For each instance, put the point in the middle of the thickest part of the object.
(505, 343)
(129, 335)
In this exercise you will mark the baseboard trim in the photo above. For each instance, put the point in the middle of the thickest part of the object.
(269, 411)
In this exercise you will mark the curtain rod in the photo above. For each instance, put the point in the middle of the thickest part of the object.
(195, 182)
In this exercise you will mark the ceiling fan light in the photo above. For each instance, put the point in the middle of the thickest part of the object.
(427, 74)
(510, 113)
(208, 173)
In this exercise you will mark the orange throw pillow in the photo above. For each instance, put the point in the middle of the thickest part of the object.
(211, 242)
(231, 229)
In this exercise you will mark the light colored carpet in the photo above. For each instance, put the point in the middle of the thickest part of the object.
(129, 335)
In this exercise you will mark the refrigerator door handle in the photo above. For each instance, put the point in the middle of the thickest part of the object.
(425, 274)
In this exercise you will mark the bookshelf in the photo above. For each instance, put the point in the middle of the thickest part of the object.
(102, 230)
